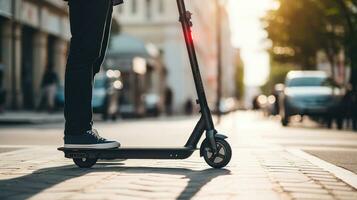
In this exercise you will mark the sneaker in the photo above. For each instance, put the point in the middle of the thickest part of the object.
(89, 140)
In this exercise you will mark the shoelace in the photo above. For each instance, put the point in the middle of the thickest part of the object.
(94, 132)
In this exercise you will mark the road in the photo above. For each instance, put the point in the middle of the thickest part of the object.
(263, 164)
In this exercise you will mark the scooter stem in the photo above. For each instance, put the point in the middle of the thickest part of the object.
(185, 19)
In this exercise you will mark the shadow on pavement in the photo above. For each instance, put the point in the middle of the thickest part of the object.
(29, 185)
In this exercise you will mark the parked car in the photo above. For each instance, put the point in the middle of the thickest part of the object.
(311, 93)
(105, 98)
(226, 106)
(267, 104)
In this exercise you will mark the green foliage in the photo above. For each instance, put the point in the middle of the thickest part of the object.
(239, 80)
(298, 29)
(277, 75)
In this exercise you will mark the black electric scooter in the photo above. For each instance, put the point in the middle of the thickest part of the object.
(214, 148)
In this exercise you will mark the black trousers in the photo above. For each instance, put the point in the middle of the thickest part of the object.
(90, 22)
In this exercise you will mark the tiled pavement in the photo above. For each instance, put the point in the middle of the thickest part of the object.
(258, 171)
(253, 174)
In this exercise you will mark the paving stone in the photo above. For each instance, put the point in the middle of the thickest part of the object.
(298, 195)
(306, 190)
(314, 172)
(321, 176)
(304, 199)
(17, 197)
(345, 193)
(342, 197)
(309, 184)
(325, 179)
(338, 188)
(329, 183)
(51, 195)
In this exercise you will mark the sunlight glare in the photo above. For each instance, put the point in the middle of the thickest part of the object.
(248, 35)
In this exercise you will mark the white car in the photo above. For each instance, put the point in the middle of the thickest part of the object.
(311, 93)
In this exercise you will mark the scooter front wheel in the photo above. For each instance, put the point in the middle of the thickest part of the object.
(221, 158)
(85, 162)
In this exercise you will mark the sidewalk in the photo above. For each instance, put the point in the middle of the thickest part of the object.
(30, 117)
(254, 174)
(258, 171)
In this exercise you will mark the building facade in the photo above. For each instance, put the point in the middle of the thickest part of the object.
(34, 34)
(156, 21)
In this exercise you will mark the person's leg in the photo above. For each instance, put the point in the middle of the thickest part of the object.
(87, 21)
(108, 25)
(1, 77)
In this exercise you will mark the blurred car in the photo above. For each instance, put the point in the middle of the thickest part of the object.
(311, 93)
(226, 105)
(267, 104)
(105, 97)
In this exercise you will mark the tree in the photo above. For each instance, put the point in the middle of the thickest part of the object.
(239, 79)
(348, 10)
(277, 75)
(298, 29)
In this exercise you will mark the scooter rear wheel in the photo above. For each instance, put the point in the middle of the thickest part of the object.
(85, 162)
(221, 158)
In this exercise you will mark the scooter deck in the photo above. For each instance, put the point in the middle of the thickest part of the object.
(130, 153)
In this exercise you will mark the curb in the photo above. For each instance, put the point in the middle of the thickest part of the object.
(341, 173)
(30, 117)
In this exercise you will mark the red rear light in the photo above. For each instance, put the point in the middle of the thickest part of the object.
(190, 35)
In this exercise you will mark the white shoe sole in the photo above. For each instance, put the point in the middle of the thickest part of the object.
(93, 146)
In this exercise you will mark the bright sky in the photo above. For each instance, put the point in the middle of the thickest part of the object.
(248, 35)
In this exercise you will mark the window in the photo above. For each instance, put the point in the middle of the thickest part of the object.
(308, 82)
(134, 6)
(148, 8)
(161, 6)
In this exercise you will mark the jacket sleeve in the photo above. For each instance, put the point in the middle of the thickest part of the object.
(117, 2)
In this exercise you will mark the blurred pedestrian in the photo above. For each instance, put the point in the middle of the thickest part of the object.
(90, 22)
(349, 108)
(353, 109)
(2, 89)
(168, 101)
(255, 103)
(48, 89)
(2, 68)
(188, 107)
